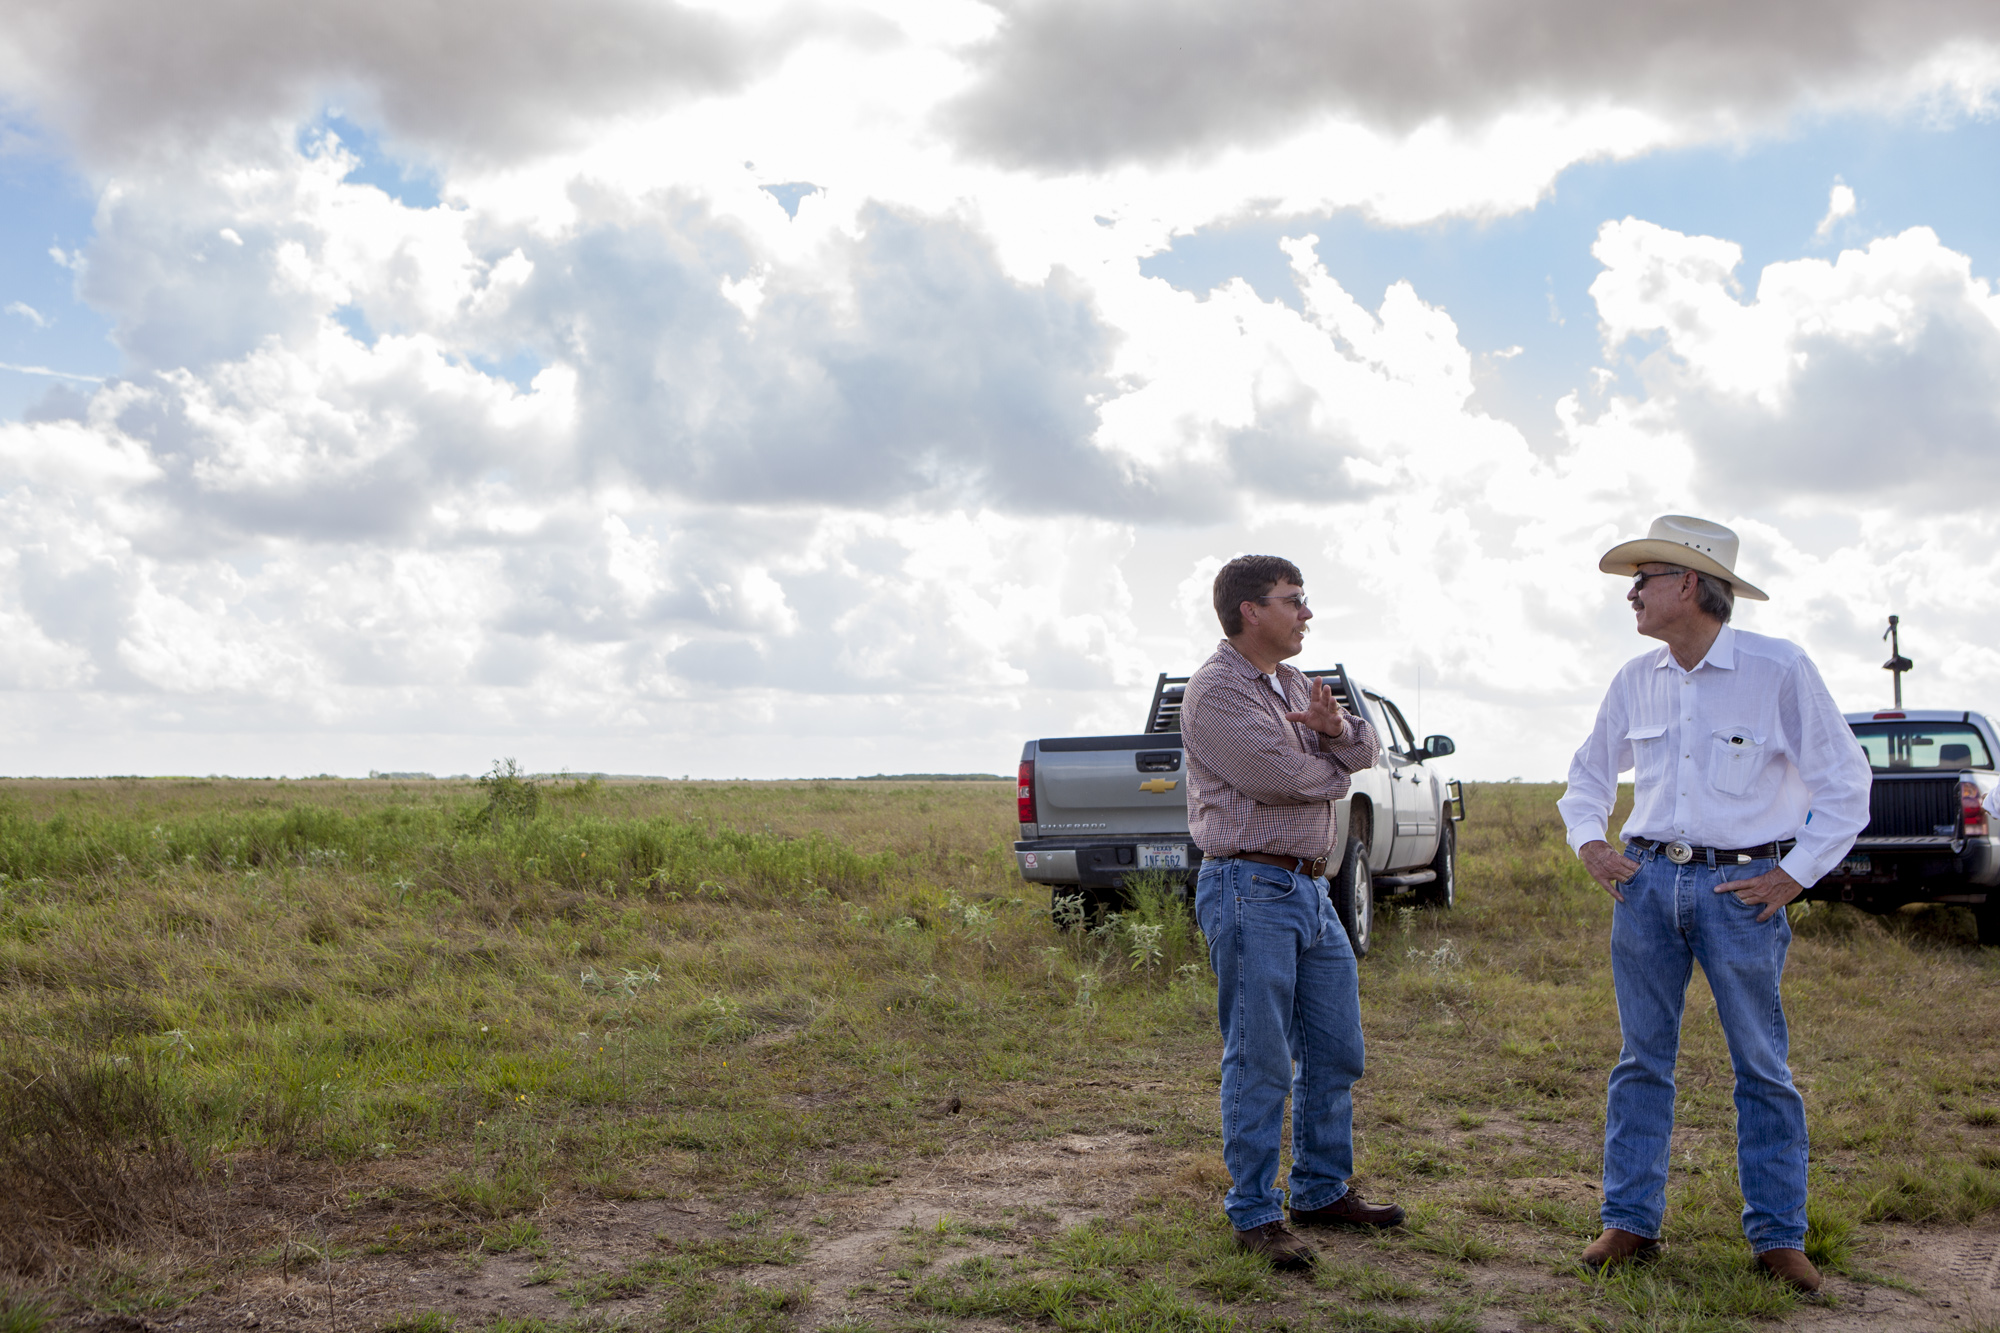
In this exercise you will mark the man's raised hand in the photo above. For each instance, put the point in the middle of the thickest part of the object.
(1322, 713)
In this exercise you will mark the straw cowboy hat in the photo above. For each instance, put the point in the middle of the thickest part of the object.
(1691, 543)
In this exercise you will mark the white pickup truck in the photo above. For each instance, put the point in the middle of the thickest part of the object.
(1929, 836)
(1094, 809)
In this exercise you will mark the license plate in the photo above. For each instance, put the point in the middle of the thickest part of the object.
(1163, 856)
(1857, 865)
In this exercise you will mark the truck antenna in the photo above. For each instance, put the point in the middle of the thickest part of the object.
(1897, 663)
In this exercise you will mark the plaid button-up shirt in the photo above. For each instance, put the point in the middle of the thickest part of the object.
(1255, 782)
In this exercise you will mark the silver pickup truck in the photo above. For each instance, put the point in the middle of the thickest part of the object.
(1094, 809)
(1929, 837)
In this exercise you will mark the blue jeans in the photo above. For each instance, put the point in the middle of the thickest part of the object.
(1671, 919)
(1289, 1003)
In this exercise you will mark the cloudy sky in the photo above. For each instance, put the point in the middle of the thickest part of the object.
(813, 388)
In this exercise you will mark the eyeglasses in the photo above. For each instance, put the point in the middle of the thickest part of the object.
(1297, 601)
(1639, 581)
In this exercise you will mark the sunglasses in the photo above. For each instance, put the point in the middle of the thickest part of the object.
(1639, 581)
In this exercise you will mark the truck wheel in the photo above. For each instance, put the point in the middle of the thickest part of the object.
(1442, 892)
(1353, 894)
(1989, 924)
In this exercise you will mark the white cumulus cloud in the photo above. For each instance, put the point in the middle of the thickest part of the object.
(1872, 373)
(1840, 203)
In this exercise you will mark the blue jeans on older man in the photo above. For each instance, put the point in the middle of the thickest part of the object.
(1671, 919)
(1289, 1004)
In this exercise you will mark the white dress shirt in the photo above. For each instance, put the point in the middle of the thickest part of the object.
(1745, 749)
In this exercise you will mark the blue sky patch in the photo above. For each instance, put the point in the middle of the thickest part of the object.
(518, 368)
(44, 328)
(409, 184)
(790, 194)
(351, 318)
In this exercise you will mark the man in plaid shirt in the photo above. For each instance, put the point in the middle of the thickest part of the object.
(1268, 753)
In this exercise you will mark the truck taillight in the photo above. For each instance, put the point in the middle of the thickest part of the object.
(1024, 800)
(1971, 809)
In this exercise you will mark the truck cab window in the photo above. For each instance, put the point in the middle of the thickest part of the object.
(1903, 746)
(1397, 733)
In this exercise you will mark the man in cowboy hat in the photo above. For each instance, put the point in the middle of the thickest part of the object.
(1748, 786)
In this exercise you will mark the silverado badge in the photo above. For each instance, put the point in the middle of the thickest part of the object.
(1157, 785)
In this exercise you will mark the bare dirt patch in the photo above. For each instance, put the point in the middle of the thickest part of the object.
(1953, 1276)
(858, 1265)
(312, 1272)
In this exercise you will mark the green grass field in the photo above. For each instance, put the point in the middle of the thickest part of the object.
(278, 1032)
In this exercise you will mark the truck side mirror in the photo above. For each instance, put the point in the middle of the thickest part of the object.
(1437, 747)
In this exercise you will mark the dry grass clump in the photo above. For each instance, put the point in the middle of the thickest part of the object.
(91, 1153)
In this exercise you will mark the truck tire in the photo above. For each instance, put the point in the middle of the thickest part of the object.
(1352, 889)
(1988, 918)
(1442, 892)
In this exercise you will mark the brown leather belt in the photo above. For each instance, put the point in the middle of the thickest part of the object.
(1298, 865)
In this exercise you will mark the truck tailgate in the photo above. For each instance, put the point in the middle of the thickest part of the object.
(1107, 790)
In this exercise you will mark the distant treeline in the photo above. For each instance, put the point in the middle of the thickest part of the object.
(925, 777)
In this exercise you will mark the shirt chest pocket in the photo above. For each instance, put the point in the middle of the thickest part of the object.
(1649, 753)
(1736, 758)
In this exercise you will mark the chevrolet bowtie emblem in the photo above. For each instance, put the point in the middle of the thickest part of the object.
(1157, 785)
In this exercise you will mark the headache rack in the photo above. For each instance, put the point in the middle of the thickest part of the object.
(1165, 714)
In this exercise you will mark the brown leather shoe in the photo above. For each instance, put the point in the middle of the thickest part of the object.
(1349, 1210)
(1792, 1268)
(1280, 1246)
(1618, 1247)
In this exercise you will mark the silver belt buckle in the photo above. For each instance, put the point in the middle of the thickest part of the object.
(1679, 853)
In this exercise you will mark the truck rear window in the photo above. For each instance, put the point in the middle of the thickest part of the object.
(1901, 746)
